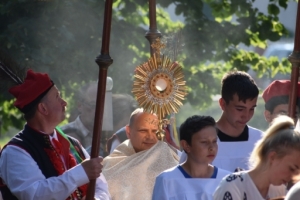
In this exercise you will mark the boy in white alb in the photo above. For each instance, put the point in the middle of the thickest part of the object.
(235, 138)
(234, 154)
(196, 178)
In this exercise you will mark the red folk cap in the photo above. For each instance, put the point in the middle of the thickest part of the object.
(34, 85)
(278, 88)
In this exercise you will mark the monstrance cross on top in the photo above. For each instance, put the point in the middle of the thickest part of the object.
(157, 46)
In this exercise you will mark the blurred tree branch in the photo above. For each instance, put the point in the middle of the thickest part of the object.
(63, 37)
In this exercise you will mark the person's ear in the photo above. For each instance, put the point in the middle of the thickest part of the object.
(185, 146)
(268, 117)
(42, 108)
(222, 103)
(127, 128)
(272, 156)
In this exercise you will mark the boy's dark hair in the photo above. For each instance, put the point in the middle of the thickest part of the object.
(194, 124)
(240, 83)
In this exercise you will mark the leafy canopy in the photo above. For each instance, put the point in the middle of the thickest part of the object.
(63, 37)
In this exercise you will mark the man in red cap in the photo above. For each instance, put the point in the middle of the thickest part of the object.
(40, 162)
(276, 97)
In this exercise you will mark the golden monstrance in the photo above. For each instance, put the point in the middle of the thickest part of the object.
(159, 86)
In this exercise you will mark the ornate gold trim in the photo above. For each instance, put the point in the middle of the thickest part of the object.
(159, 86)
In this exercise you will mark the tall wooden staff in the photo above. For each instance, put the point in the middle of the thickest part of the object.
(104, 61)
(152, 33)
(294, 58)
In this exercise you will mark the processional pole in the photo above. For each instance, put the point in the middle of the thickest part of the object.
(104, 61)
(294, 58)
(158, 85)
(152, 34)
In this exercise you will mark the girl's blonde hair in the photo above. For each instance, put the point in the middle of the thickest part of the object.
(280, 137)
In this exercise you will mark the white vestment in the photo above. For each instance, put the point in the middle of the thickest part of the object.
(232, 155)
(239, 186)
(131, 175)
(172, 185)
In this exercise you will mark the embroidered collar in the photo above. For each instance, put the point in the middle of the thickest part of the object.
(62, 160)
(54, 135)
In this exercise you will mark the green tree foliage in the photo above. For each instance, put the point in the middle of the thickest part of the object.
(63, 37)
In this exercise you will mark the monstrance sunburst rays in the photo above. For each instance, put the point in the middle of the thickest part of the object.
(159, 87)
